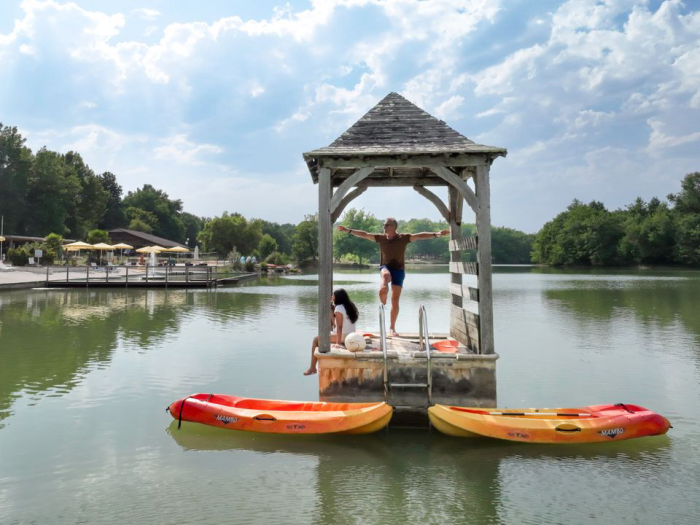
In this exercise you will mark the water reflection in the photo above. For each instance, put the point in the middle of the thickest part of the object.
(417, 476)
(52, 338)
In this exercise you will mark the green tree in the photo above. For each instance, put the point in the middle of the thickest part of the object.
(52, 190)
(649, 233)
(686, 211)
(114, 216)
(267, 245)
(305, 240)
(221, 234)
(193, 225)
(509, 246)
(345, 244)
(15, 170)
(281, 233)
(139, 226)
(97, 236)
(167, 211)
(584, 234)
(87, 210)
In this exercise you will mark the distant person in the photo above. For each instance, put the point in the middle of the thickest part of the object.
(392, 247)
(343, 321)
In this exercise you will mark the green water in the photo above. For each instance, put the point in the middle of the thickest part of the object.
(85, 378)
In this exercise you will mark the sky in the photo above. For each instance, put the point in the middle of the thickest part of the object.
(214, 102)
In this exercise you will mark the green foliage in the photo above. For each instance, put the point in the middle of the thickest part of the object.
(167, 212)
(193, 225)
(234, 257)
(139, 226)
(345, 244)
(15, 166)
(97, 236)
(280, 259)
(91, 199)
(281, 233)
(249, 266)
(18, 256)
(267, 246)
(114, 215)
(305, 239)
(509, 246)
(584, 235)
(223, 233)
(53, 242)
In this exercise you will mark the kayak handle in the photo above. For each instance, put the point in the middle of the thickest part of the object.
(567, 428)
(264, 417)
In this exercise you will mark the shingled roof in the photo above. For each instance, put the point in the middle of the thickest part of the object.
(397, 126)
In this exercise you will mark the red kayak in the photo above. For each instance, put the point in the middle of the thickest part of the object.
(281, 417)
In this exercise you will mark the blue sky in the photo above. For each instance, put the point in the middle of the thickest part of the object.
(215, 101)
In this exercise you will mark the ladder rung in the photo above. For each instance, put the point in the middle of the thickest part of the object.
(408, 385)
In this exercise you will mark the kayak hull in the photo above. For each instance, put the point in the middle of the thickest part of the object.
(281, 417)
(592, 424)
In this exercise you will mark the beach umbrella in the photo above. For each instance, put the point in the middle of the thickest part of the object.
(122, 246)
(151, 249)
(102, 247)
(77, 246)
(2, 239)
(178, 250)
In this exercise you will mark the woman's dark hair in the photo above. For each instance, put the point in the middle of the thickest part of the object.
(341, 297)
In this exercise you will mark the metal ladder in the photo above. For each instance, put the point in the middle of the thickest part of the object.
(424, 341)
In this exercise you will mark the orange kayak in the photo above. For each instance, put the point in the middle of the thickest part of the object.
(281, 417)
(592, 424)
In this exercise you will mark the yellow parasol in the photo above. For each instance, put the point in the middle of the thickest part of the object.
(178, 250)
(122, 246)
(77, 246)
(2, 239)
(102, 247)
(151, 249)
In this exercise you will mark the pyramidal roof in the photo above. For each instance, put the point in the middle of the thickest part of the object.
(397, 126)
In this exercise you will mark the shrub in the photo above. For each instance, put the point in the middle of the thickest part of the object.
(249, 266)
(18, 256)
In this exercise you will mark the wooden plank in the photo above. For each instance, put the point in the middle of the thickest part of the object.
(467, 316)
(468, 268)
(483, 257)
(393, 160)
(403, 181)
(465, 243)
(325, 259)
(451, 178)
(465, 291)
(435, 200)
(345, 201)
(456, 204)
(347, 185)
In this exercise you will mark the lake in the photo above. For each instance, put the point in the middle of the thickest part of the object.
(85, 377)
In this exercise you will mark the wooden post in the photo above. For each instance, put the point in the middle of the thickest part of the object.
(147, 272)
(456, 204)
(126, 285)
(87, 280)
(325, 259)
(483, 255)
(67, 273)
(47, 276)
(166, 276)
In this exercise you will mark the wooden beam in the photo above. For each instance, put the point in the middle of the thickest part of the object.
(435, 200)
(456, 204)
(416, 160)
(465, 243)
(345, 201)
(402, 181)
(456, 181)
(466, 292)
(468, 268)
(348, 183)
(325, 259)
(483, 256)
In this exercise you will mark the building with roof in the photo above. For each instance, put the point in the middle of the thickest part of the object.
(139, 239)
(396, 143)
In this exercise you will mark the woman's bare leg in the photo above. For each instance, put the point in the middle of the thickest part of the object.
(312, 368)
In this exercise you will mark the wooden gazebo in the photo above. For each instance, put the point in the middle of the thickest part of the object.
(398, 144)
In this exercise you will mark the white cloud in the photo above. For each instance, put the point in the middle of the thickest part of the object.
(179, 149)
(147, 13)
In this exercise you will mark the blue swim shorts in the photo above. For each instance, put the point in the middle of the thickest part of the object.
(397, 276)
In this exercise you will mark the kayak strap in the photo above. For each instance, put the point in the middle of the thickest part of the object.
(179, 418)
(625, 407)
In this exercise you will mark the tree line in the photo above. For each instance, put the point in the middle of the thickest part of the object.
(643, 233)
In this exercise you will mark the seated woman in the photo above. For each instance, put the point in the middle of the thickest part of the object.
(344, 317)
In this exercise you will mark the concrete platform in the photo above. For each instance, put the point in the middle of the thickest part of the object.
(463, 378)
